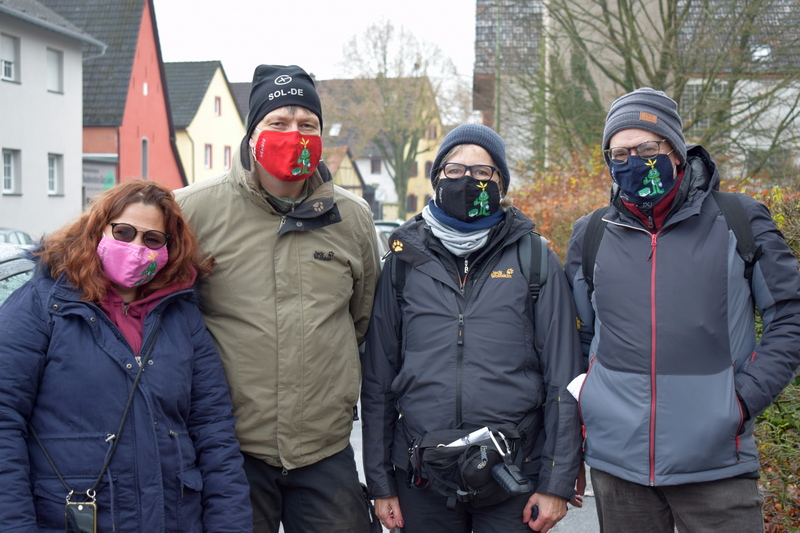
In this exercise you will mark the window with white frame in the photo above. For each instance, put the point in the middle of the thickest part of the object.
(145, 158)
(227, 157)
(218, 106)
(9, 57)
(699, 103)
(55, 174)
(55, 71)
(207, 156)
(11, 181)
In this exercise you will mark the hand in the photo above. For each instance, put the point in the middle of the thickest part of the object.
(388, 511)
(551, 510)
(580, 486)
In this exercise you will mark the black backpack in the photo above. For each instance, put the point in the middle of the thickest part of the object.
(732, 211)
(532, 261)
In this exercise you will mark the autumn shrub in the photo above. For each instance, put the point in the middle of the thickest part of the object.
(778, 428)
(556, 197)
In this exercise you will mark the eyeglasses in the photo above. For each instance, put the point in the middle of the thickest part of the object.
(479, 172)
(618, 155)
(153, 239)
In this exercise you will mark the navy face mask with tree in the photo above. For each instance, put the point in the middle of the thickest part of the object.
(644, 180)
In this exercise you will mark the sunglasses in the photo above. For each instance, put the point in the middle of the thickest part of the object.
(153, 239)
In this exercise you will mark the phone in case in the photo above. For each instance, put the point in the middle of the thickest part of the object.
(80, 517)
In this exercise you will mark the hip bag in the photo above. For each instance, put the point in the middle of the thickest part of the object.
(476, 466)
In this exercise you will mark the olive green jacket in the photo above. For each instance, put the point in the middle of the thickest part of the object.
(287, 305)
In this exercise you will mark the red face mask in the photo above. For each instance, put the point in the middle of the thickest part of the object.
(288, 156)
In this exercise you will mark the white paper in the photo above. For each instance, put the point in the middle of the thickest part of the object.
(575, 385)
(475, 436)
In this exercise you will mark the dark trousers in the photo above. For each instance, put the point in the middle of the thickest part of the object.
(731, 505)
(425, 511)
(325, 497)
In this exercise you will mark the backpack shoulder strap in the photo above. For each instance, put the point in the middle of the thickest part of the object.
(533, 262)
(591, 243)
(736, 218)
(398, 274)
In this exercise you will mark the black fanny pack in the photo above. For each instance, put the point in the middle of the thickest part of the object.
(477, 466)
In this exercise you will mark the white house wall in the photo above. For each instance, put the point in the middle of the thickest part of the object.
(37, 123)
(383, 183)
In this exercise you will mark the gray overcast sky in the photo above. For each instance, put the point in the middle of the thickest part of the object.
(311, 33)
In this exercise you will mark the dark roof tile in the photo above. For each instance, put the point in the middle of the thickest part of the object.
(187, 84)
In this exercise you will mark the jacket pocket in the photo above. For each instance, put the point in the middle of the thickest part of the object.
(699, 419)
(190, 509)
(615, 408)
(49, 499)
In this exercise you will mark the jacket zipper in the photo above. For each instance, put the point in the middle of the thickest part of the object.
(460, 339)
(459, 367)
(580, 411)
(652, 258)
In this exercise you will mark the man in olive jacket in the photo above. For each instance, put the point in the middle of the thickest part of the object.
(287, 305)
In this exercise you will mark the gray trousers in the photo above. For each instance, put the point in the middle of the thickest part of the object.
(731, 505)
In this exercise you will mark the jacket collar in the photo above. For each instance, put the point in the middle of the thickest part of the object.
(410, 241)
(319, 202)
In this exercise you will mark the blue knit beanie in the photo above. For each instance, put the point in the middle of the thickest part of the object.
(484, 137)
(650, 110)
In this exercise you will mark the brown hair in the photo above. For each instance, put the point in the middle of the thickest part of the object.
(72, 250)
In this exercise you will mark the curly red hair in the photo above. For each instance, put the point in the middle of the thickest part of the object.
(72, 250)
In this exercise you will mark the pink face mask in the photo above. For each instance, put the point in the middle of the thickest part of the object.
(128, 264)
(288, 156)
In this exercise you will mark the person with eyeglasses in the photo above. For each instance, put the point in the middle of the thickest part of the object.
(676, 372)
(460, 345)
(113, 399)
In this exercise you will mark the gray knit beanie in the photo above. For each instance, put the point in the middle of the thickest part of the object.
(484, 137)
(650, 110)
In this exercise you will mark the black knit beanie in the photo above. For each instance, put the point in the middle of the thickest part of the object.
(484, 137)
(650, 110)
(277, 86)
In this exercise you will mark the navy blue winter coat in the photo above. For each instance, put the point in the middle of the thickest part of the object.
(66, 370)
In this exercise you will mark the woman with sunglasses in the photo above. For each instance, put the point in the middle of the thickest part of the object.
(459, 346)
(115, 411)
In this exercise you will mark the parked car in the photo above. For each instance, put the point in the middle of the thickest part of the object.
(388, 226)
(383, 243)
(15, 268)
(15, 236)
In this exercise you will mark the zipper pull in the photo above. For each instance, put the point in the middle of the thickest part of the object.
(283, 221)
(461, 330)
(653, 239)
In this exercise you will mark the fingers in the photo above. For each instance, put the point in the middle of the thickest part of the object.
(388, 512)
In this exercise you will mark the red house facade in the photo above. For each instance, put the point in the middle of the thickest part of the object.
(127, 122)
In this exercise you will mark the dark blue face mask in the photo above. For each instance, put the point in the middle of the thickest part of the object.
(644, 181)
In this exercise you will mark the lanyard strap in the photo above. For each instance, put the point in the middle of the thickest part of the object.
(114, 437)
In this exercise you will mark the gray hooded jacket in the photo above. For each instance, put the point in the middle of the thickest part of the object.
(670, 338)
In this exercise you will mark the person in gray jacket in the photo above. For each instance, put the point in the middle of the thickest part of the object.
(675, 374)
(456, 348)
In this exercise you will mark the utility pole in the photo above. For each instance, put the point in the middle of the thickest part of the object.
(497, 67)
